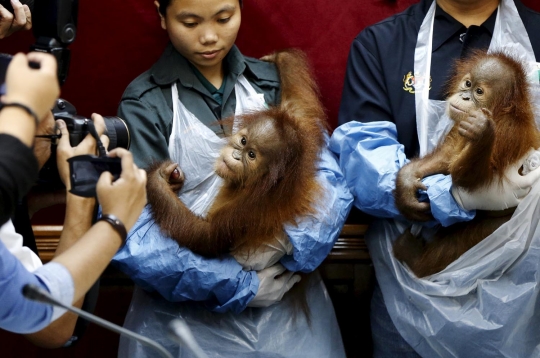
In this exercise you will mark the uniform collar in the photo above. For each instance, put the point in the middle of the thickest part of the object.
(445, 25)
(172, 67)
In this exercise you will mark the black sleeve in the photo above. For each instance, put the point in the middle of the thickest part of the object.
(364, 98)
(18, 173)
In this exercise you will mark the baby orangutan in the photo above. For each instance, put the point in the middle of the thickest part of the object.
(268, 169)
(494, 129)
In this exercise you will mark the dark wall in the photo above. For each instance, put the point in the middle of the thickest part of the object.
(117, 40)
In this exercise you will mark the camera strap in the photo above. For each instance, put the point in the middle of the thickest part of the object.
(92, 130)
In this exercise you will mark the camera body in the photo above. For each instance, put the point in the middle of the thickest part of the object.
(77, 126)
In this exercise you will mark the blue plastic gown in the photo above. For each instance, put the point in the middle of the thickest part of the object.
(486, 301)
(370, 157)
(157, 263)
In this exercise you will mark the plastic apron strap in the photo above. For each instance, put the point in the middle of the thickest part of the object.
(247, 99)
(509, 35)
(422, 71)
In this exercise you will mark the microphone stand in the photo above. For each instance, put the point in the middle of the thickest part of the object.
(35, 293)
(181, 334)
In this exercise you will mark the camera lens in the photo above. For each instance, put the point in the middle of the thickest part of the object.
(118, 132)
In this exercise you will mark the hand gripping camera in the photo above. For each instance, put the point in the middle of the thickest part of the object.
(85, 170)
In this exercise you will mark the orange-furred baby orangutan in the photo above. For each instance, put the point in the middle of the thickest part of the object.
(494, 128)
(268, 169)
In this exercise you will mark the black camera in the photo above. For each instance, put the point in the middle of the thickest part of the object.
(77, 126)
(90, 167)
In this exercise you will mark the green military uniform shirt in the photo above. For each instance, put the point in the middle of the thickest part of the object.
(146, 104)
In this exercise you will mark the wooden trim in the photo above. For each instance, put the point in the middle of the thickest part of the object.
(350, 246)
(47, 238)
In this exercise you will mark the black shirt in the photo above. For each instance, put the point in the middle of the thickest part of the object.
(377, 85)
(18, 173)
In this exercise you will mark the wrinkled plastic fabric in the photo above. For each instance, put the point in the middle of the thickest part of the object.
(157, 263)
(485, 304)
(314, 235)
(215, 292)
(274, 331)
(370, 157)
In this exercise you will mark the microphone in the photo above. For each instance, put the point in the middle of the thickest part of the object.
(38, 294)
(181, 334)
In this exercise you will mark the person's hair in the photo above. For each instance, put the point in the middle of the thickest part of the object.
(164, 4)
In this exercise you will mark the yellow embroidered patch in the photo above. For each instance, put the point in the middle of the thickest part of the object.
(409, 82)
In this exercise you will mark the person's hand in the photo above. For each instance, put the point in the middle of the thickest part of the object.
(499, 195)
(126, 196)
(86, 146)
(271, 287)
(37, 88)
(20, 19)
(266, 255)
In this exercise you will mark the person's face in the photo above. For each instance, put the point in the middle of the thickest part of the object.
(203, 31)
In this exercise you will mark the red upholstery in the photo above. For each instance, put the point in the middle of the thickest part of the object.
(118, 40)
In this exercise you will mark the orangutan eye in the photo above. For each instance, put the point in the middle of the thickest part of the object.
(468, 83)
(479, 91)
(251, 154)
(243, 141)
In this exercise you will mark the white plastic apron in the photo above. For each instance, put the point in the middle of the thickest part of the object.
(252, 332)
(509, 34)
(486, 303)
(195, 147)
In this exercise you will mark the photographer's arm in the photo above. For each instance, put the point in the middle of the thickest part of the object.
(87, 257)
(123, 198)
(35, 89)
(77, 222)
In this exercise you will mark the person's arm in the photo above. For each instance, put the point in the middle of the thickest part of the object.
(73, 272)
(14, 243)
(369, 154)
(18, 173)
(148, 129)
(157, 263)
(16, 313)
(315, 235)
(35, 89)
(77, 222)
(123, 198)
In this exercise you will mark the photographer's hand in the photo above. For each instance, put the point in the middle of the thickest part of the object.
(86, 146)
(21, 19)
(34, 88)
(125, 197)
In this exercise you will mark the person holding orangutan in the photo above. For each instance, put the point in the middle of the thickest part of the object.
(234, 303)
(473, 301)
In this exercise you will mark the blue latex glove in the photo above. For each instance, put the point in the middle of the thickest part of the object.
(370, 157)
